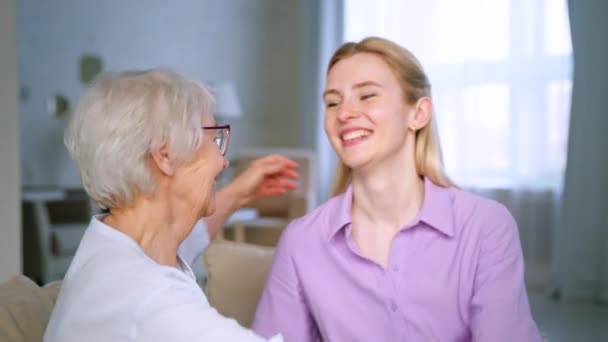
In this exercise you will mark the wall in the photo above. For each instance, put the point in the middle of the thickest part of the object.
(263, 46)
(10, 216)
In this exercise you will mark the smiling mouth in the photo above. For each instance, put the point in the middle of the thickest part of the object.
(355, 136)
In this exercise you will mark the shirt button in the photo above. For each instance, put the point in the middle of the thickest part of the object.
(393, 305)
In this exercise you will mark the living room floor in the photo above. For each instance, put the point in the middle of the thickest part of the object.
(567, 320)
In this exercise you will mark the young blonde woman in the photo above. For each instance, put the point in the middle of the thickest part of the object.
(400, 253)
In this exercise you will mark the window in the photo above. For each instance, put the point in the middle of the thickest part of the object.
(501, 75)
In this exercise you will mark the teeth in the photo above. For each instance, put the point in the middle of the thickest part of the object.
(355, 135)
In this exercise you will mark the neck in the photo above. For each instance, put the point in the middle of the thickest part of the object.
(388, 195)
(156, 226)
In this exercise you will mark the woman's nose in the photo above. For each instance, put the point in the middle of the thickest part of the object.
(346, 112)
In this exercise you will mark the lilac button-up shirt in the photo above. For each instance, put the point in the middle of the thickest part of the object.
(456, 273)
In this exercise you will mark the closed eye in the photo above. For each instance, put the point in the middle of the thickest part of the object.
(331, 101)
(367, 96)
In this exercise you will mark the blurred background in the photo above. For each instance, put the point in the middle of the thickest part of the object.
(520, 88)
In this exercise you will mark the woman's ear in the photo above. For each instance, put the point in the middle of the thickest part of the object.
(423, 110)
(162, 161)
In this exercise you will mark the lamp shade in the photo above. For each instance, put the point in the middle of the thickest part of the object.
(227, 103)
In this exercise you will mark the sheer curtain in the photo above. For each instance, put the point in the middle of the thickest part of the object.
(501, 75)
(581, 265)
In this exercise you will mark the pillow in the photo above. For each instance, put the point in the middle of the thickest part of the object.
(25, 309)
(236, 274)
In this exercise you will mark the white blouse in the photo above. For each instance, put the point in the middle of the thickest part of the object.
(114, 292)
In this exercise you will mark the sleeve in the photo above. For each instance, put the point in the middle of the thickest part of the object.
(192, 248)
(282, 308)
(499, 306)
(183, 314)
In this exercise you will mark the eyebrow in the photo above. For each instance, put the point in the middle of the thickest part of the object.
(357, 85)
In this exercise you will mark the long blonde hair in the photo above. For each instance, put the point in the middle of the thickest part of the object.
(415, 85)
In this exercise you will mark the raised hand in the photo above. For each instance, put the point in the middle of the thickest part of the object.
(266, 176)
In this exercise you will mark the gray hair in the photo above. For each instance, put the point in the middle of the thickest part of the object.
(121, 118)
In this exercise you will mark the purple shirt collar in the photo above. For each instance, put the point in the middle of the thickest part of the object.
(436, 210)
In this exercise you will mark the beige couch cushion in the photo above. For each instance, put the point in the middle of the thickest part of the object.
(236, 273)
(25, 309)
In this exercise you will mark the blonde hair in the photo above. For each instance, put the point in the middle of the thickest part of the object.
(415, 85)
(121, 118)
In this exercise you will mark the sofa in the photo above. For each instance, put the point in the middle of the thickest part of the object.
(25, 309)
(236, 273)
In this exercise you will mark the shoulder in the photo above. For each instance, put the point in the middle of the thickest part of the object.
(116, 269)
(472, 211)
(181, 312)
(170, 289)
(310, 230)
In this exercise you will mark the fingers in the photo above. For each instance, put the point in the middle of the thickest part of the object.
(280, 183)
(275, 186)
(289, 173)
(271, 175)
(272, 167)
(267, 193)
(283, 183)
(275, 163)
(275, 158)
(270, 191)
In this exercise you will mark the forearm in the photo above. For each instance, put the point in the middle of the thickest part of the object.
(227, 201)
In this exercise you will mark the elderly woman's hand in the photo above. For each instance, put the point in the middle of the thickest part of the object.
(266, 176)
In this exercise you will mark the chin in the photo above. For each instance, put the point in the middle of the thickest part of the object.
(355, 156)
(210, 206)
(353, 162)
(210, 210)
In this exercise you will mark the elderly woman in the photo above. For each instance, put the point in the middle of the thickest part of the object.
(149, 150)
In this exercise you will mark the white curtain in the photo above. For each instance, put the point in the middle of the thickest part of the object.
(501, 75)
(581, 245)
(330, 19)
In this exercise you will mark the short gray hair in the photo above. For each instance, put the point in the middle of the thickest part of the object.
(121, 118)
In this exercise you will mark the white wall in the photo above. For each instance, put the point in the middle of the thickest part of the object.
(262, 45)
(10, 215)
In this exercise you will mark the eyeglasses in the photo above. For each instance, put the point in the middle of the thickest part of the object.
(222, 136)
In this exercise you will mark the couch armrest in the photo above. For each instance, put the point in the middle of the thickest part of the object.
(236, 274)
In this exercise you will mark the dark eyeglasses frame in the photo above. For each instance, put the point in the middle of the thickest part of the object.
(222, 136)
